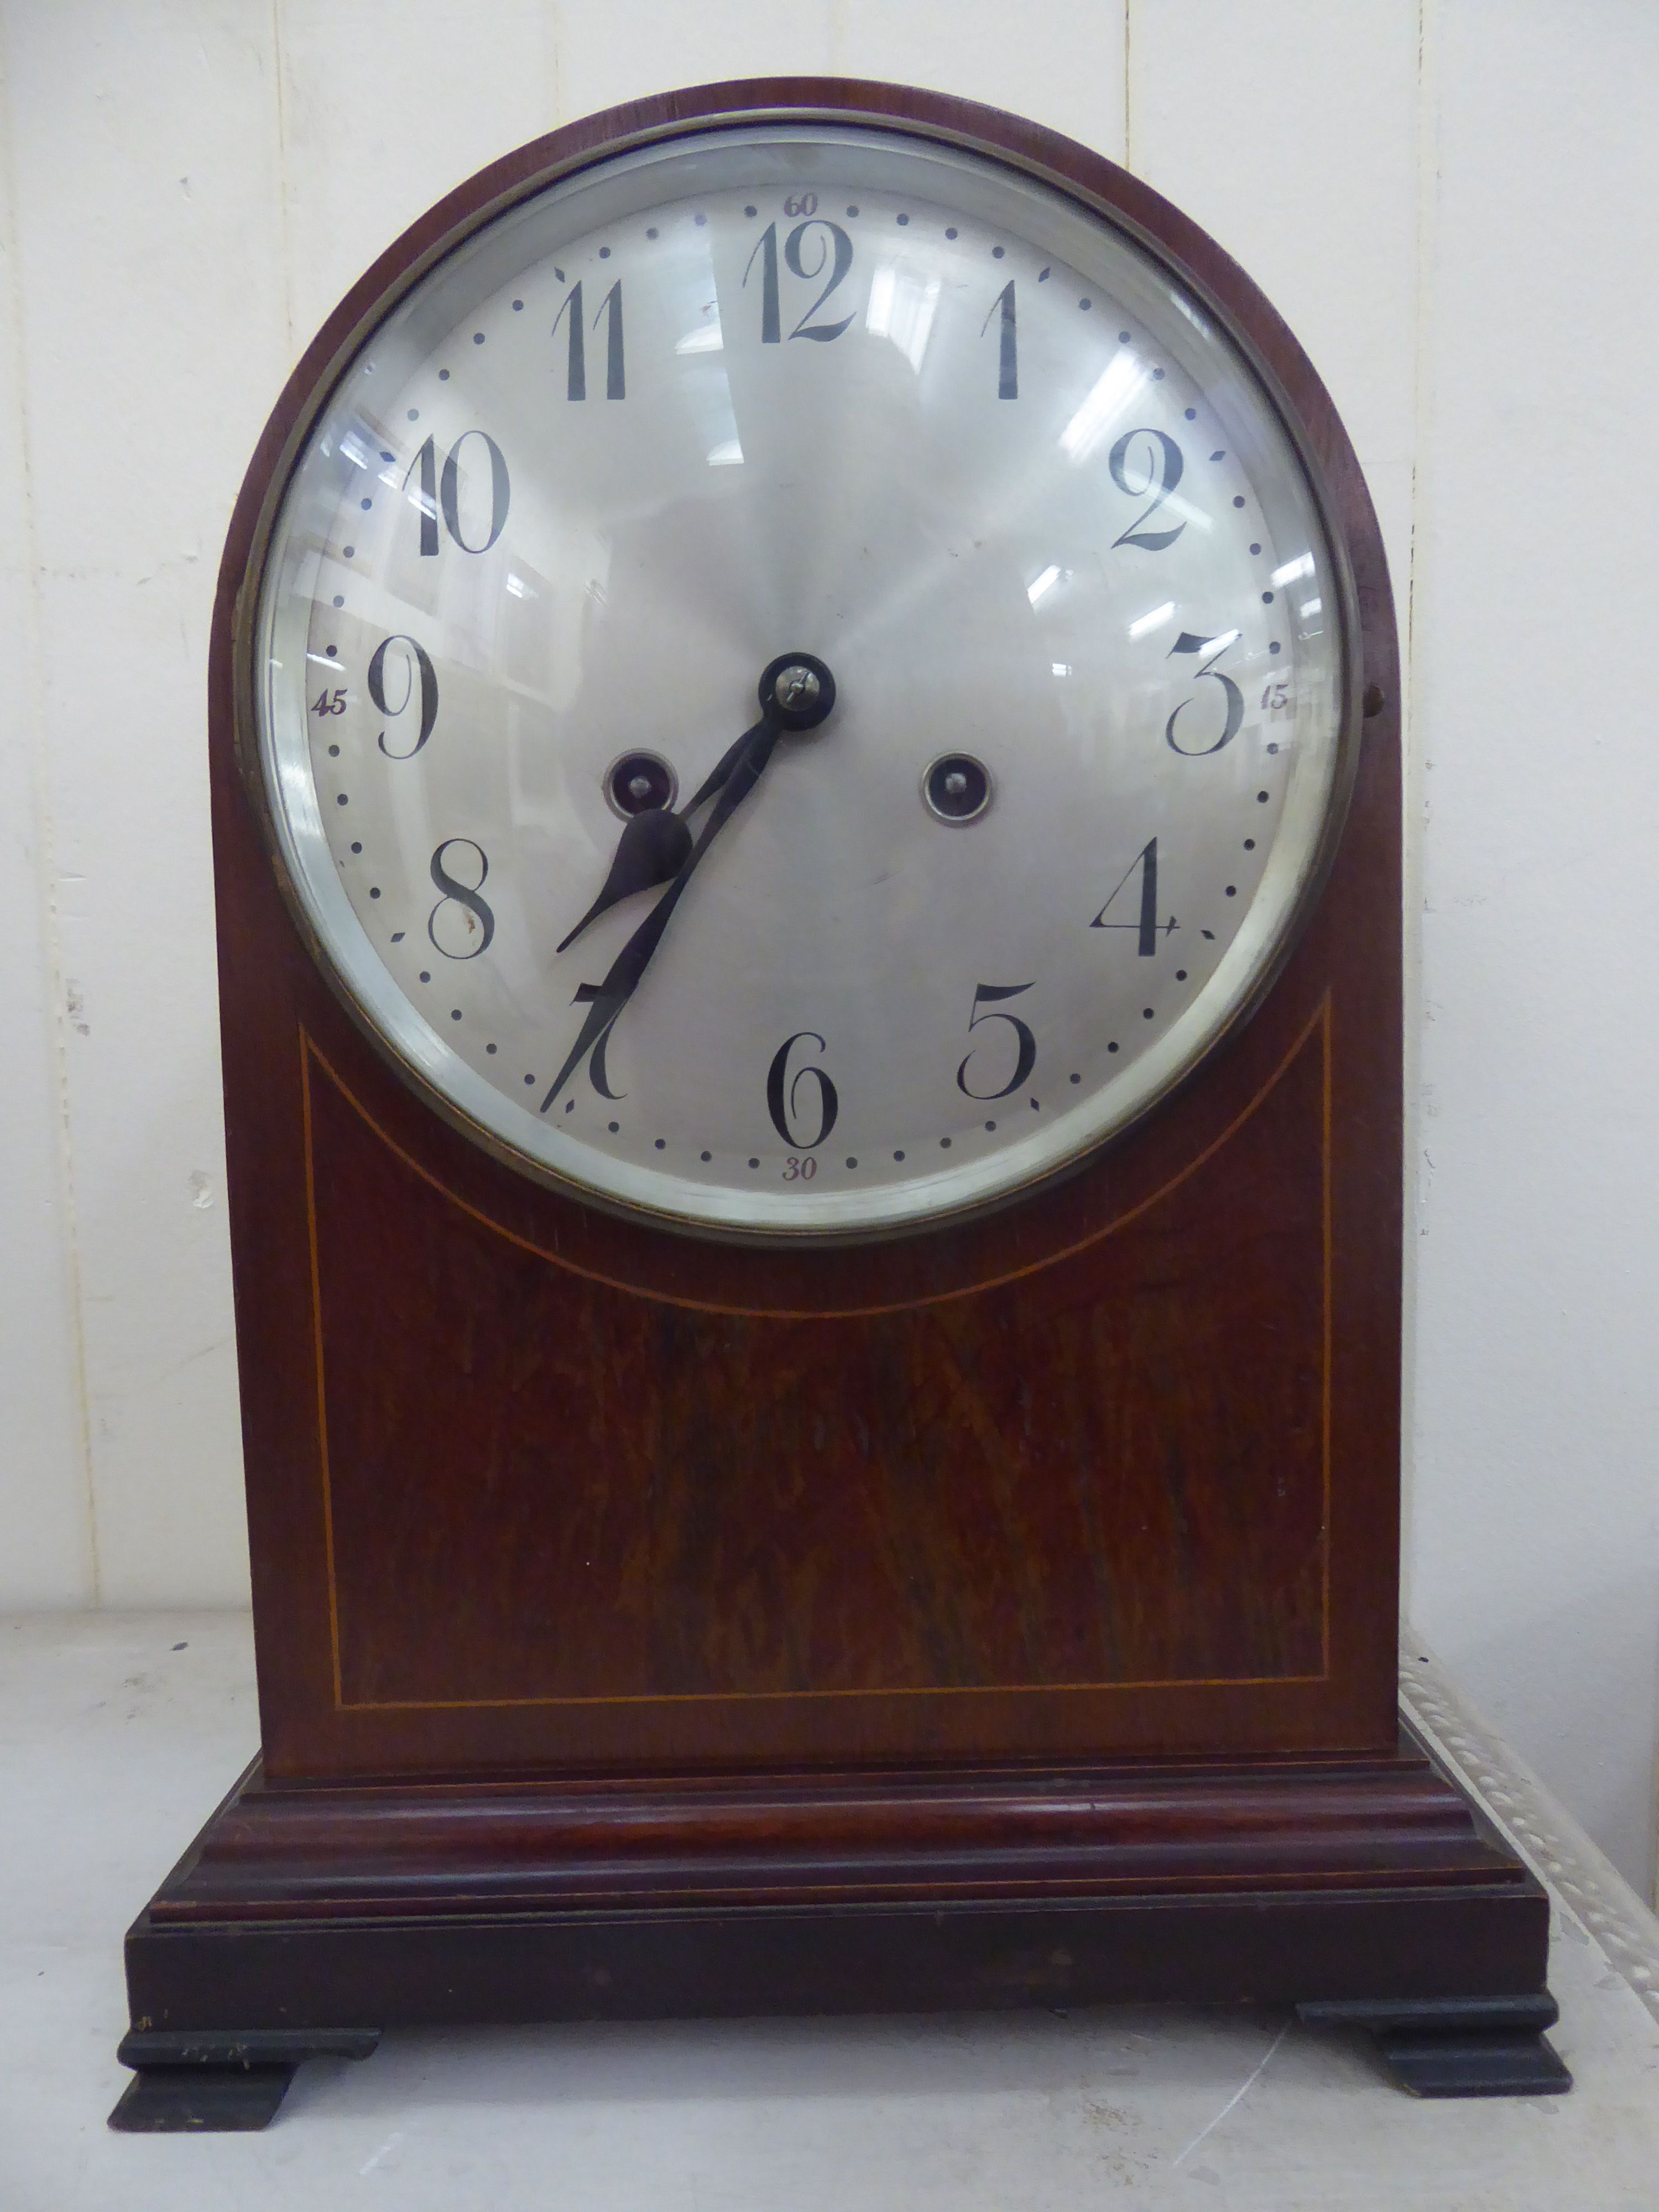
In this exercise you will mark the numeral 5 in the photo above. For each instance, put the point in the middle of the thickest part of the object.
(984, 1000)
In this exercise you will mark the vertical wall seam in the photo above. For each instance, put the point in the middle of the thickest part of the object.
(42, 825)
(837, 36)
(279, 71)
(555, 64)
(1414, 822)
(1128, 142)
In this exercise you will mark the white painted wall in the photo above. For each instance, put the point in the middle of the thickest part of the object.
(1450, 201)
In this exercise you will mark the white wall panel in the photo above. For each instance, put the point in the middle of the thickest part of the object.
(384, 111)
(1288, 129)
(143, 152)
(45, 1552)
(1053, 60)
(627, 49)
(1536, 1542)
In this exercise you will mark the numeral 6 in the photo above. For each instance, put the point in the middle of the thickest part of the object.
(782, 1089)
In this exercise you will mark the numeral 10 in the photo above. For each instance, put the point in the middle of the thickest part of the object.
(444, 491)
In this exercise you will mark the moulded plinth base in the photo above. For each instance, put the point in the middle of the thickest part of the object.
(1361, 1888)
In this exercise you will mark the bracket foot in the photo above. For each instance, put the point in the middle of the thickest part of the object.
(1457, 2046)
(206, 2083)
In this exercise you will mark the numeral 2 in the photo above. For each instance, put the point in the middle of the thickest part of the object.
(1163, 469)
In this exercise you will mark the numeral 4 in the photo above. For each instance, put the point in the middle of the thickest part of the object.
(1144, 923)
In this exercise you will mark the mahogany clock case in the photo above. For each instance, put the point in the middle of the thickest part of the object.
(536, 1485)
(1004, 1613)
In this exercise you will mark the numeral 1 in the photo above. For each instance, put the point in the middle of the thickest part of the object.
(427, 498)
(1008, 342)
(767, 247)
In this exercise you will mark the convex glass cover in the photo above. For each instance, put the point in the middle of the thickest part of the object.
(867, 591)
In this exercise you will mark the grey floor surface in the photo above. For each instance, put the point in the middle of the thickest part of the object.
(117, 1734)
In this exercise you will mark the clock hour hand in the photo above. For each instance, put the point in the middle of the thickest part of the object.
(797, 692)
(652, 847)
(654, 844)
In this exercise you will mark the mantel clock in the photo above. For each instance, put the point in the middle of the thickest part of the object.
(804, 750)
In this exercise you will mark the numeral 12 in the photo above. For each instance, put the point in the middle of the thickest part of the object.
(835, 255)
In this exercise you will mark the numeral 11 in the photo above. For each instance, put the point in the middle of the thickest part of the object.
(610, 307)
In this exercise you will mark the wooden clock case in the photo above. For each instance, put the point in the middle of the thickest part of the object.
(651, 1625)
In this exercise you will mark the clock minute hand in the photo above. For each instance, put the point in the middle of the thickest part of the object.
(605, 1003)
(797, 692)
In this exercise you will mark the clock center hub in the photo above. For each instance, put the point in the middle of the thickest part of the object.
(797, 691)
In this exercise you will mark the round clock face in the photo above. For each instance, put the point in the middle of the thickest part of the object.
(800, 681)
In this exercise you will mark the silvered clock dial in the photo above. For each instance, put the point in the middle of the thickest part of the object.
(801, 680)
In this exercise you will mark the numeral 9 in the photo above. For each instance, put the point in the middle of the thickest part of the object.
(428, 683)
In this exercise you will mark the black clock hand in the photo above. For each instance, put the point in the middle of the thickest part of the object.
(653, 844)
(607, 1001)
(652, 847)
(797, 692)
(715, 779)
